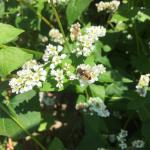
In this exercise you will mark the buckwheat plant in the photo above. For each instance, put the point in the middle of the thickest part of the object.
(85, 69)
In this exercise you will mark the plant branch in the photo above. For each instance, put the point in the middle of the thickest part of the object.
(59, 23)
(12, 115)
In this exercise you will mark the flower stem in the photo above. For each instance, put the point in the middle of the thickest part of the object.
(12, 115)
(38, 14)
(86, 93)
(59, 23)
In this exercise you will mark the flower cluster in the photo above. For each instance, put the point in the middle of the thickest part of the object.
(56, 36)
(53, 54)
(142, 85)
(122, 139)
(138, 144)
(84, 41)
(96, 105)
(108, 6)
(32, 74)
(89, 74)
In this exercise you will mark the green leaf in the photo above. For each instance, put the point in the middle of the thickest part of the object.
(18, 99)
(11, 58)
(56, 145)
(8, 33)
(141, 16)
(144, 113)
(80, 89)
(89, 60)
(97, 91)
(75, 8)
(4, 86)
(95, 123)
(146, 129)
(111, 76)
(116, 89)
(106, 77)
(43, 126)
(118, 17)
(94, 126)
(141, 63)
(47, 86)
(107, 48)
(10, 129)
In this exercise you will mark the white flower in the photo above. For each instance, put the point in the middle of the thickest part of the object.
(123, 145)
(90, 74)
(50, 51)
(59, 77)
(96, 31)
(56, 36)
(52, 66)
(67, 66)
(122, 135)
(108, 6)
(44, 39)
(63, 56)
(129, 37)
(138, 144)
(95, 105)
(72, 77)
(122, 139)
(59, 85)
(56, 60)
(101, 148)
(112, 138)
(142, 85)
(75, 31)
(59, 48)
(59, 2)
(53, 54)
(32, 74)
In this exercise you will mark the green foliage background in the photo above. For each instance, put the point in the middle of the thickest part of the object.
(125, 51)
